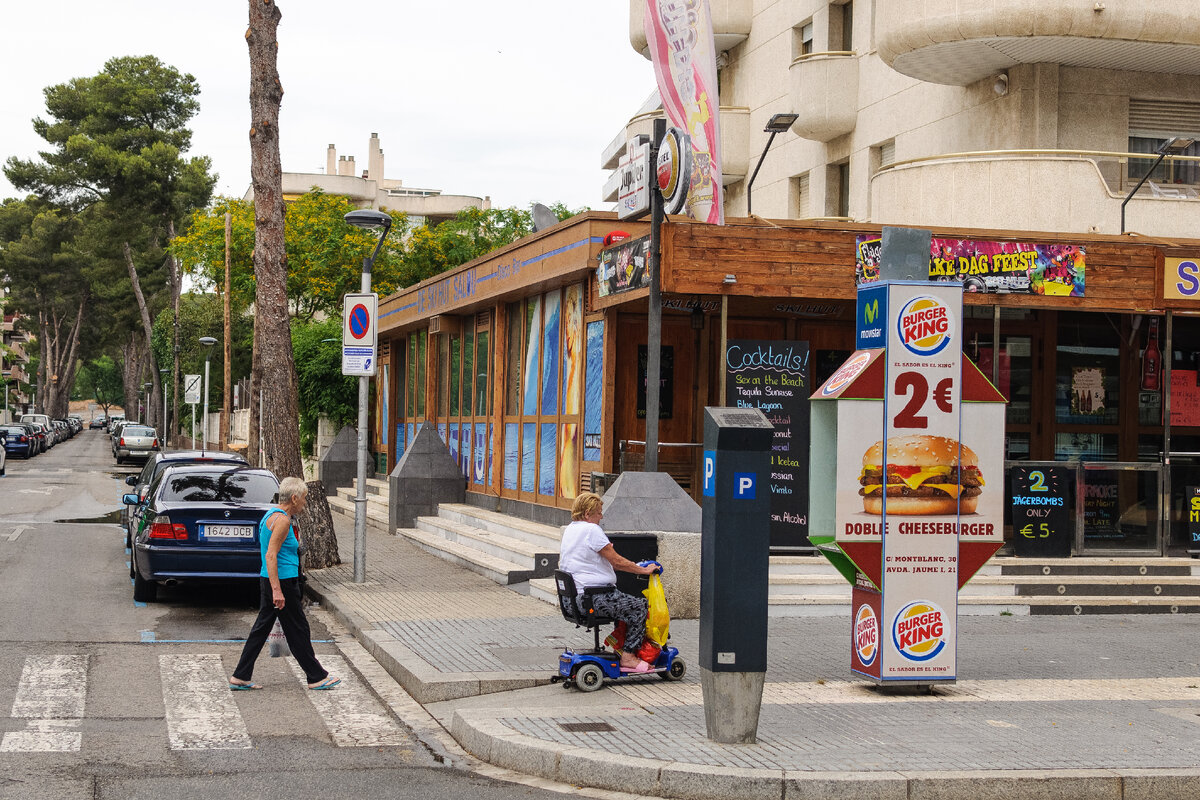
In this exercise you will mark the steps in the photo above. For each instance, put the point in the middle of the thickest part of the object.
(801, 586)
(523, 555)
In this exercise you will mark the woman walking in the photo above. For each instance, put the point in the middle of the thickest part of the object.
(279, 593)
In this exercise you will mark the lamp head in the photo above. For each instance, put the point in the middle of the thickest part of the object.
(369, 218)
(207, 341)
(1176, 145)
(780, 123)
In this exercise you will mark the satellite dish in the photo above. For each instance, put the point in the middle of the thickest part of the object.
(543, 218)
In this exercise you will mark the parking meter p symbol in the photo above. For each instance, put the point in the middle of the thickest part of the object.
(743, 485)
(710, 473)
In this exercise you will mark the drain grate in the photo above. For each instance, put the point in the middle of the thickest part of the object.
(587, 727)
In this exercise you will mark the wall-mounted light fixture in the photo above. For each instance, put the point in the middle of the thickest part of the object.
(1000, 84)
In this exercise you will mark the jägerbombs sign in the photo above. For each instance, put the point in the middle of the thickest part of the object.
(774, 378)
(1043, 516)
(624, 267)
(993, 267)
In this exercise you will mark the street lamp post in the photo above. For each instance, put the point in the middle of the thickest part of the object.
(1176, 145)
(371, 220)
(208, 342)
(164, 372)
(776, 125)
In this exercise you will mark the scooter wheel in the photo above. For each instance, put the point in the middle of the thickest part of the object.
(676, 672)
(589, 678)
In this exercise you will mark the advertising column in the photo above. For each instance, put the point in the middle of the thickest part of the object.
(926, 479)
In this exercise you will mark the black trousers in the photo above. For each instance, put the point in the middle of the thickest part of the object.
(295, 630)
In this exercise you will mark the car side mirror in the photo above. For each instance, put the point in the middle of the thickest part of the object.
(130, 499)
(131, 480)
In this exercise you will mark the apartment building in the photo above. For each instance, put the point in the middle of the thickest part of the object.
(370, 189)
(14, 363)
(1035, 115)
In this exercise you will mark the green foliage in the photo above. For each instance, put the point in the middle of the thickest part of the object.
(203, 315)
(323, 389)
(101, 380)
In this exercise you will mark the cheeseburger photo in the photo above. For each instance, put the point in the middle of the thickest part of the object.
(925, 475)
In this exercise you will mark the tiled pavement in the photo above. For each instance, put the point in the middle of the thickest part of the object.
(1087, 706)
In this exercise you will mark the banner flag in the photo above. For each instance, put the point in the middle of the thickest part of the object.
(684, 54)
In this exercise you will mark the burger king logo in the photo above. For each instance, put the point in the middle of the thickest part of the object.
(925, 325)
(845, 374)
(919, 631)
(866, 635)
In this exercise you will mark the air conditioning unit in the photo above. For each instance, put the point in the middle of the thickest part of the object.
(445, 323)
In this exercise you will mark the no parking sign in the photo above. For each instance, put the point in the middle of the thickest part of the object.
(359, 338)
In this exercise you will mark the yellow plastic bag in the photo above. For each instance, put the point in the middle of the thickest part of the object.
(658, 620)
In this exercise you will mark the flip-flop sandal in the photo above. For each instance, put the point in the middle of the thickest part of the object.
(641, 667)
(243, 687)
(325, 684)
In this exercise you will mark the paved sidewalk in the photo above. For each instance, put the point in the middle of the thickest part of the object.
(1047, 707)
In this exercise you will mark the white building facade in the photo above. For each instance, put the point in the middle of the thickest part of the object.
(1006, 114)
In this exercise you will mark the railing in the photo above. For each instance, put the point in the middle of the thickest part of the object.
(1178, 177)
(680, 460)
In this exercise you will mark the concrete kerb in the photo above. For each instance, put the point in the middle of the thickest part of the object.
(481, 733)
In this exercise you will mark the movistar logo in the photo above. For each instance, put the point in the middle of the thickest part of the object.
(871, 311)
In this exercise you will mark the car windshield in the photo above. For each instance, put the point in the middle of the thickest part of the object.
(163, 463)
(136, 430)
(233, 486)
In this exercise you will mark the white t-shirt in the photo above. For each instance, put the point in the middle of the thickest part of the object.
(580, 556)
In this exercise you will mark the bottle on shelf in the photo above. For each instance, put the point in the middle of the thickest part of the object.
(1152, 360)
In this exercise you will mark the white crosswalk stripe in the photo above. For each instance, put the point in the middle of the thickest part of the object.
(353, 716)
(201, 712)
(51, 696)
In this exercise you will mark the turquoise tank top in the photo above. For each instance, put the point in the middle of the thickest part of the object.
(288, 559)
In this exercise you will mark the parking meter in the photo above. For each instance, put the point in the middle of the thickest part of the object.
(734, 563)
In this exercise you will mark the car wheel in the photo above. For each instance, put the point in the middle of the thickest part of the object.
(144, 591)
(589, 678)
(676, 672)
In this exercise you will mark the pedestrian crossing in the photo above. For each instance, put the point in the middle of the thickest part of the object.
(201, 712)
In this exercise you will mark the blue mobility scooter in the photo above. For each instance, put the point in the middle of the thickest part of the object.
(587, 670)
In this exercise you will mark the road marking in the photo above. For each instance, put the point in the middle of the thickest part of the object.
(51, 695)
(17, 531)
(45, 491)
(352, 715)
(201, 712)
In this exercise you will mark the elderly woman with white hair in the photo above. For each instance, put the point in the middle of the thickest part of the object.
(280, 593)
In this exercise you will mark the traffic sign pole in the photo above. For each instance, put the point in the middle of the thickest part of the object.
(360, 497)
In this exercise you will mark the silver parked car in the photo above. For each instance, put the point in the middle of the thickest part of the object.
(135, 442)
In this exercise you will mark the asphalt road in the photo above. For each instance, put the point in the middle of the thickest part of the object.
(102, 697)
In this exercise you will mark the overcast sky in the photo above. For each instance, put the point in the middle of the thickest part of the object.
(515, 100)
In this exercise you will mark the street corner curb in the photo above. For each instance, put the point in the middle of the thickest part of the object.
(1009, 784)
(613, 772)
(703, 782)
(800, 785)
(1160, 784)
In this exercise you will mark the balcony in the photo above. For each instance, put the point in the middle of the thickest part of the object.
(735, 140)
(1008, 189)
(958, 43)
(825, 94)
(731, 24)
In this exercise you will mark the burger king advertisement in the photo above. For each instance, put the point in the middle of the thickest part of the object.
(918, 495)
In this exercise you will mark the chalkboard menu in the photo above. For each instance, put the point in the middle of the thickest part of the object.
(774, 377)
(1042, 516)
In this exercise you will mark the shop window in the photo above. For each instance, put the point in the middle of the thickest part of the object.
(512, 383)
(529, 378)
(443, 375)
(593, 406)
(572, 355)
(550, 345)
(1013, 373)
(1088, 377)
(468, 371)
(455, 367)
(483, 401)
(1080, 446)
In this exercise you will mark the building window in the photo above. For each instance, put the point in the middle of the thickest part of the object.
(837, 190)
(845, 21)
(798, 200)
(802, 39)
(1151, 124)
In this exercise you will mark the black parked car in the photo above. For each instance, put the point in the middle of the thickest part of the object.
(130, 514)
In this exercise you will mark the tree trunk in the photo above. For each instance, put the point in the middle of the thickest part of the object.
(176, 280)
(155, 398)
(131, 374)
(316, 528)
(227, 393)
(275, 368)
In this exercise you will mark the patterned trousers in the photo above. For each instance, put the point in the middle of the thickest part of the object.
(625, 608)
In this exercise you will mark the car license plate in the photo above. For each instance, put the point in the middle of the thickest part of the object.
(137, 452)
(227, 532)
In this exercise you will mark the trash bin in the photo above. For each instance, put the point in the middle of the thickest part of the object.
(636, 547)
